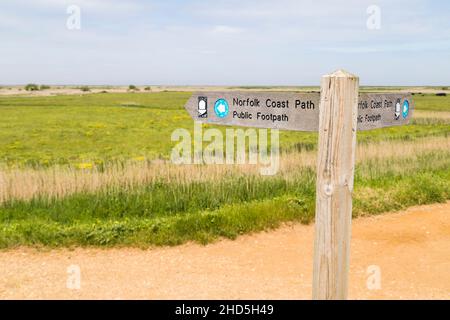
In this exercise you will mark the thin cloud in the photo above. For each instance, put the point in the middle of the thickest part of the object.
(227, 29)
(98, 6)
(236, 42)
(399, 47)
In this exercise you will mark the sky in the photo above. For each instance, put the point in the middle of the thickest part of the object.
(219, 42)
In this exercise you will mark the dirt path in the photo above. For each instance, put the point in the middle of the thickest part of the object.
(412, 250)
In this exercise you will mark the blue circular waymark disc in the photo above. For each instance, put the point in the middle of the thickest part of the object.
(405, 109)
(221, 108)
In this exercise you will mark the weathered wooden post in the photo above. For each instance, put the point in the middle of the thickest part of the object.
(335, 171)
(341, 112)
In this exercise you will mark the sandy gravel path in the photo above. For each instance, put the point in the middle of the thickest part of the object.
(411, 250)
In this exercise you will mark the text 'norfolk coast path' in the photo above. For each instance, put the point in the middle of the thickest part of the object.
(293, 111)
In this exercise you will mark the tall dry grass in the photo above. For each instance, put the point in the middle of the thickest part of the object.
(426, 114)
(60, 181)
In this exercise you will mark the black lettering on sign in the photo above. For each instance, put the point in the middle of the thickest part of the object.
(295, 111)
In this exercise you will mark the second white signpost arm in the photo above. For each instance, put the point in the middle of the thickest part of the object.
(335, 171)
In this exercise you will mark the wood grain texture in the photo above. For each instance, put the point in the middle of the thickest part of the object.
(335, 171)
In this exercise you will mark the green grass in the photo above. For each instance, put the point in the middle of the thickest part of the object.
(431, 102)
(171, 213)
(72, 129)
(41, 131)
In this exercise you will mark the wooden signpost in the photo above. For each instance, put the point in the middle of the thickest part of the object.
(292, 111)
(336, 113)
(334, 184)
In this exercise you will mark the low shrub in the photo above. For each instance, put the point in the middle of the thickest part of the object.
(85, 89)
(32, 87)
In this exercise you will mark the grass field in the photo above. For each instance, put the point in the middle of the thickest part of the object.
(121, 197)
(97, 128)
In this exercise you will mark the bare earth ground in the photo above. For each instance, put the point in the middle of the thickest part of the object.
(411, 248)
(67, 90)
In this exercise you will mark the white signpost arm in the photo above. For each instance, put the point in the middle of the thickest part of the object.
(335, 171)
